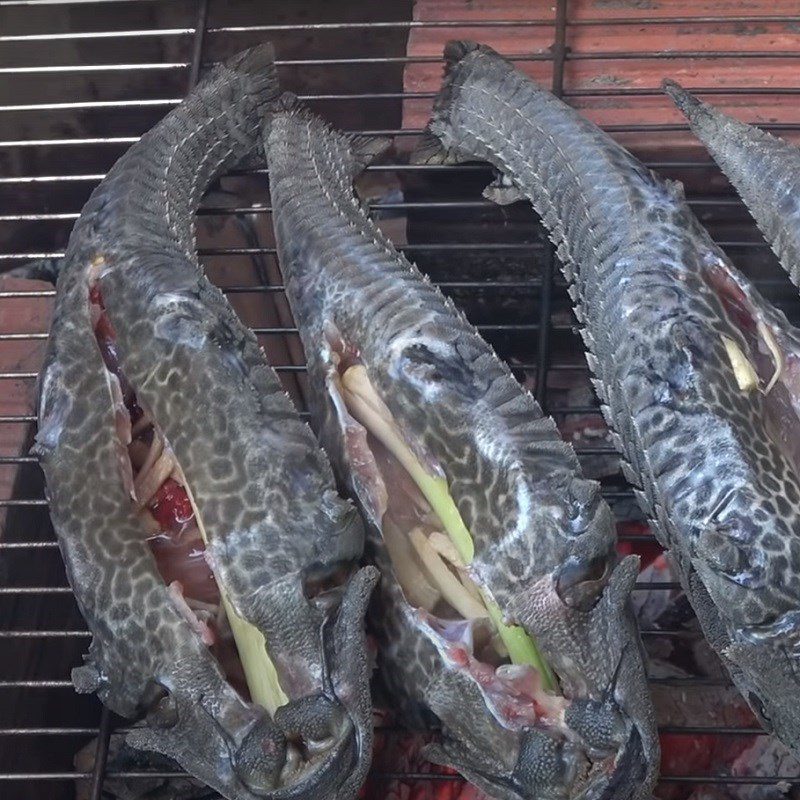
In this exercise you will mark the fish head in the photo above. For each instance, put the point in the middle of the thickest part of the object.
(318, 743)
(592, 737)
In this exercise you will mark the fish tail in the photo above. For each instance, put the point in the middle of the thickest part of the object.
(41, 269)
(438, 143)
(256, 70)
(354, 152)
(693, 109)
(217, 127)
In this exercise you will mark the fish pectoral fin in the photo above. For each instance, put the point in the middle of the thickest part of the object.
(502, 191)
(86, 679)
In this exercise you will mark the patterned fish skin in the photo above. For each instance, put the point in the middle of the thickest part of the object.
(517, 485)
(722, 495)
(264, 490)
(764, 170)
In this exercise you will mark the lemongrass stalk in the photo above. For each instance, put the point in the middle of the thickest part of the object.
(521, 647)
(777, 355)
(449, 585)
(259, 671)
(444, 546)
(368, 409)
(743, 370)
(417, 588)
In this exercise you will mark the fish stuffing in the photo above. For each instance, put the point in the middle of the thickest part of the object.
(764, 170)
(202, 534)
(697, 374)
(504, 612)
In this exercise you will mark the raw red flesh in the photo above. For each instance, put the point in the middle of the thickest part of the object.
(647, 549)
(732, 297)
(172, 508)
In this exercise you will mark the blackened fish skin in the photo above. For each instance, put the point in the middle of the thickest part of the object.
(650, 289)
(764, 170)
(518, 486)
(263, 489)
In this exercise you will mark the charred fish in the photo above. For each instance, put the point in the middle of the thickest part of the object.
(696, 372)
(764, 170)
(504, 610)
(208, 550)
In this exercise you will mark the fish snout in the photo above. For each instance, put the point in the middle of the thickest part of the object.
(600, 725)
(546, 766)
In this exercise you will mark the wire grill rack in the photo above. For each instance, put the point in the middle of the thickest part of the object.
(80, 80)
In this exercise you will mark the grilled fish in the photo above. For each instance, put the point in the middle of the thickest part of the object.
(696, 372)
(197, 516)
(764, 170)
(503, 609)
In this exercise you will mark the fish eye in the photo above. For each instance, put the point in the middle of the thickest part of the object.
(580, 584)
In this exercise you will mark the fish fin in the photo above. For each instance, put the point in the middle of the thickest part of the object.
(437, 145)
(256, 66)
(86, 679)
(502, 191)
(42, 269)
(430, 150)
(366, 149)
(290, 102)
(675, 188)
(363, 149)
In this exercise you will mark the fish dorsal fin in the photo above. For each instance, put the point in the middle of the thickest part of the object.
(503, 191)
(363, 150)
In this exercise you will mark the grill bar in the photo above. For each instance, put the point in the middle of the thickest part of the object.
(195, 37)
(560, 51)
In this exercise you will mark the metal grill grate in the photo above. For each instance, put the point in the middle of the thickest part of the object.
(128, 63)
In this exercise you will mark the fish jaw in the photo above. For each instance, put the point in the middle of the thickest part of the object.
(543, 767)
(595, 742)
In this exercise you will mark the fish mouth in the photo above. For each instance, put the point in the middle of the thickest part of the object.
(283, 726)
(572, 741)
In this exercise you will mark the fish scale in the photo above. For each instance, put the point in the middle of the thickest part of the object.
(641, 268)
(517, 485)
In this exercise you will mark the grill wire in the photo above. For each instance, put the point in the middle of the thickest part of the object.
(533, 333)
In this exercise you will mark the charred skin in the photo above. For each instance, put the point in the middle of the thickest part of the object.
(540, 530)
(263, 490)
(661, 310)
(764, 170)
